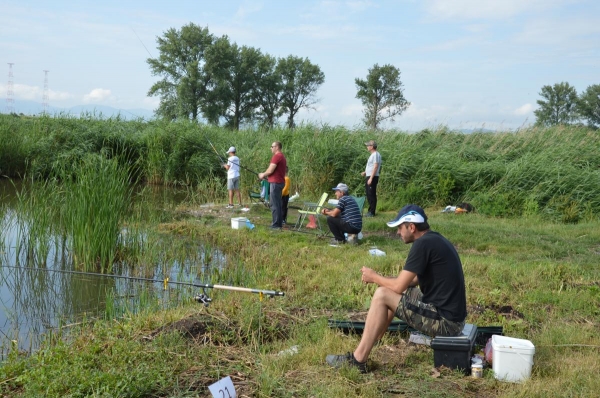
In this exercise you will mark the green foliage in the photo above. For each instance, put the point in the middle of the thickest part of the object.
(97, 198)
(528, 172)
(181, 62)
(536, 278)
(221, 81)
(588, 105)
(559, 106)
(381, 94)
(300, 80)
(443, 188)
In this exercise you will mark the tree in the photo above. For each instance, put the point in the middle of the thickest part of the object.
(559, 107)
(588, 105)
(269, 93)
(236, 73)
(381, 94)
(300, 80)
(181, 64)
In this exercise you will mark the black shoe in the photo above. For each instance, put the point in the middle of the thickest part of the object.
(369, 215)
(335, 242)
(338, 361)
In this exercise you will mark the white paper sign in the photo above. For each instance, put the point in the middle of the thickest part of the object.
(223, 388)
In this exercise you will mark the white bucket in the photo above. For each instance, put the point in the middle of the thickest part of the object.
(238, 223)
(512, 358)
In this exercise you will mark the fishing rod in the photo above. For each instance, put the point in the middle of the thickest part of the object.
(224, 162)
(201, 298)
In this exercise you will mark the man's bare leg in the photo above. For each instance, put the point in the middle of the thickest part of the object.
(379, 317)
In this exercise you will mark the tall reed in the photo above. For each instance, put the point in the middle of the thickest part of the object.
(552, 172)
(97, 199)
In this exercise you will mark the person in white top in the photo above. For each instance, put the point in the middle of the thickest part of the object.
(371, 175)
(233, 176)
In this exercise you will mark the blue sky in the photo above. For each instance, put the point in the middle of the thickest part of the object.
(464, 63)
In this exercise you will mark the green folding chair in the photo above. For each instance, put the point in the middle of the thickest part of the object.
(260, 194)
(312, 211)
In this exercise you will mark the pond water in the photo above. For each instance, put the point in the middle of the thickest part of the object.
(42, 294)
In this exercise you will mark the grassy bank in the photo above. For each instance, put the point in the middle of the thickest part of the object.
(538, 280)
(552, 172)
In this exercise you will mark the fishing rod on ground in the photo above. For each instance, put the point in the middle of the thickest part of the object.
(201, 298)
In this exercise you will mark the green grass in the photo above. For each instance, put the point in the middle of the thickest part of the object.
(549, 172)
(544, 273)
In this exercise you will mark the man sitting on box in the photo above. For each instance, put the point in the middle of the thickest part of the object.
(437, 307)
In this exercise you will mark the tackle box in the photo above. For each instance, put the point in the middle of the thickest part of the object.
(455, 352)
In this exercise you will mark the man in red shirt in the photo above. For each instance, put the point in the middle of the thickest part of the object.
(275, 174)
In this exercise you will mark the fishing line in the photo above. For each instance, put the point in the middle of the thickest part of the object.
(136, 35)
(224, 162)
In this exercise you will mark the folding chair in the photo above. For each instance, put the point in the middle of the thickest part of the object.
(261, 193)
(312, 211)
(360, 201)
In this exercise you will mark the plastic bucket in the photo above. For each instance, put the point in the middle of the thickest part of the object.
(238, 223)
(512, 358)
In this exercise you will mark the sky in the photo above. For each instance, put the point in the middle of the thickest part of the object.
(465, 64)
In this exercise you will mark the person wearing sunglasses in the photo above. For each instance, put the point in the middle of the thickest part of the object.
(275, 174)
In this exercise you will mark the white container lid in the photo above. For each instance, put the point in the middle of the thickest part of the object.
(503, 343)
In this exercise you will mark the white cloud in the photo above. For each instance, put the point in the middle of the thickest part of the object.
(26, 92)
(151, 102)
(524, 110)
(246, 9)
(97, 95)
(352, 110)
(359, 6)
(477, 9)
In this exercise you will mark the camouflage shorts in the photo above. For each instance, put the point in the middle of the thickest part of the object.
(425, 317)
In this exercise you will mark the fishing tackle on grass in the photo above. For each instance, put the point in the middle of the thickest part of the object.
(201, 298)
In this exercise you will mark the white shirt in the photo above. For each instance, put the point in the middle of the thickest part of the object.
(234, 167)
(374, 158)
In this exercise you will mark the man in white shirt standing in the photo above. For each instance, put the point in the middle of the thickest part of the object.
(233, 176)
(371, 175)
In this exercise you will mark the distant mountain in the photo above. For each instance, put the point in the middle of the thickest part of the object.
(35, 108)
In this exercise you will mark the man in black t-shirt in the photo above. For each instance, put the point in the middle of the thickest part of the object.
(437, 307)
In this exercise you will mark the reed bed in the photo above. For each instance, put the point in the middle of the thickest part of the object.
(552, 172)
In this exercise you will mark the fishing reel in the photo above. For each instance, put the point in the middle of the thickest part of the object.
(203, 298)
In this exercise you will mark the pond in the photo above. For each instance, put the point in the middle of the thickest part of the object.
(42, 292)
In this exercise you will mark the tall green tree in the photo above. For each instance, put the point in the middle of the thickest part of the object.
(236, 73)
(300, 80)
(381, 94)
(181, 65)
(559, 107)
(269, 93)
(588, 105)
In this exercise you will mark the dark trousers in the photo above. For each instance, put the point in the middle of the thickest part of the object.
(284, 207)
(276, 205)
(337, 226)
(371, 191)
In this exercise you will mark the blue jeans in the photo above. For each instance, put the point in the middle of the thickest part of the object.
(276, 204)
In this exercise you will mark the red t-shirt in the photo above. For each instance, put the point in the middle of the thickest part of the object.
(278, 175)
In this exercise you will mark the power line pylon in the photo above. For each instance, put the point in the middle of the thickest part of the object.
(10, 101)
(45, 96)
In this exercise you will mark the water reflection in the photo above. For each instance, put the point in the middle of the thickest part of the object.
(40, 294)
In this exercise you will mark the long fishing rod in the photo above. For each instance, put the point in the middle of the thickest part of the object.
(224, 162)
(201, 298)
